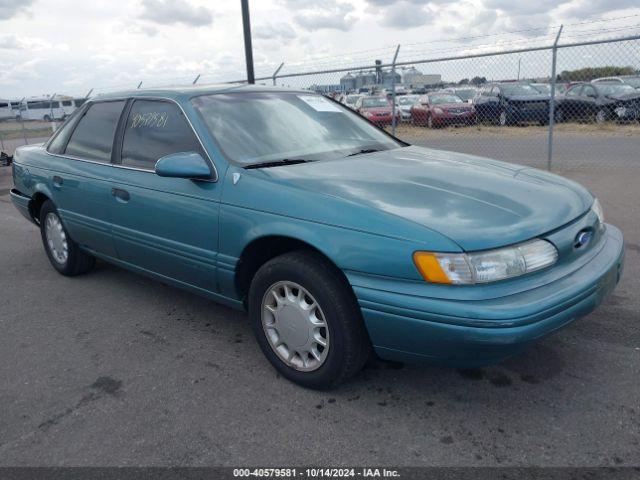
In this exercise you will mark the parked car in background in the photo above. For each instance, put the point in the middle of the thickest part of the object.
(336, 237)
(376, 109)
(465, 93)
(633, 80)
(442, 109)
(404, 104)
(350, 100)
(599, 102)
(511, 104)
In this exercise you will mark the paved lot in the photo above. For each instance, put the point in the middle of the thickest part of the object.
(115, 369)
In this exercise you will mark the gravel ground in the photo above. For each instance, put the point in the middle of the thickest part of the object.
(115, 369)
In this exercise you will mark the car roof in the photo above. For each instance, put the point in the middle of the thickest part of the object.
(185, 92)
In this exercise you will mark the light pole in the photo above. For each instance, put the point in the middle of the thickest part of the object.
(519, 60)
(248, 49)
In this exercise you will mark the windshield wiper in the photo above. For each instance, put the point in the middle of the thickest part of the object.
(364, 150)
(277, 163)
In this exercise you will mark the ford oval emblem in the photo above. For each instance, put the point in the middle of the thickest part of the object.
(583, 238)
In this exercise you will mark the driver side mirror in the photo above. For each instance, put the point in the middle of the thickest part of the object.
(189, 165)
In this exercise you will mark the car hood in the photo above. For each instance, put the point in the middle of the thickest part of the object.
(450, 106)
(625, 97)
(527, 98)
(476, 202)
(377, 110)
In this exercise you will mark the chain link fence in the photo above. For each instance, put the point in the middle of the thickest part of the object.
(487, 100)
(499, 104)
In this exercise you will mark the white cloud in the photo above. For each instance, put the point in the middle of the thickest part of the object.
(168, 12)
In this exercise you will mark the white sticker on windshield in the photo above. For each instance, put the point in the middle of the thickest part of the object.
(319, 104)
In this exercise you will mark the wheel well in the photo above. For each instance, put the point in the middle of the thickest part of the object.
(35, 204)
(260, 251)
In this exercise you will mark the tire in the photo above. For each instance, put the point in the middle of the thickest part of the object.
(601, 116)
(75, 262)
(502, 118)
(559, 114)
(347, 343)
(430, 121)
(47, 118)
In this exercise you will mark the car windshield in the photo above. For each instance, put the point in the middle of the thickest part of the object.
(444, 98)
(615, 88)
(519, 89)
(542, 87)
(258, 127)
(407, 100)
(466, 93)
(633, 81)
(375, 102)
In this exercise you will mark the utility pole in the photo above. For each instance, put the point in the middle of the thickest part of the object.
(248, 49)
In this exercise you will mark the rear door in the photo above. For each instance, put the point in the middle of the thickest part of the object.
(80, 175)
(168, 226)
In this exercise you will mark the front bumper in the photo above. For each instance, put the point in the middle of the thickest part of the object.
(476, 332)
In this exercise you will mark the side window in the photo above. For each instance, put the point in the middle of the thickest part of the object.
(93, 137)
(589, 91)
(574, 91)
(155, 129)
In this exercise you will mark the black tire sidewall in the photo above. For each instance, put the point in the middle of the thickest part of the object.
(335, 302)
(76, 260)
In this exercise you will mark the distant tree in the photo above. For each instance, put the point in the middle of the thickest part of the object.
(589, 73)
(464, 81)
(478, 80)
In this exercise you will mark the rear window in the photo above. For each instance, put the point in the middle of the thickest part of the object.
(93, 137)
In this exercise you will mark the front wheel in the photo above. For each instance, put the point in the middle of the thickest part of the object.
(601, 116)
(306, 320)
(64, 254)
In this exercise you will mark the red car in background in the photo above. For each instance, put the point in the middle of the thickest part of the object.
(375, 109)
(437, 109)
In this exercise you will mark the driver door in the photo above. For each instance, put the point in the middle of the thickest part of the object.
(165, 226)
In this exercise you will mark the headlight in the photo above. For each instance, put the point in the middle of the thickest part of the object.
(438, 110)
(597, 209)
(487, 266)
(621, 111)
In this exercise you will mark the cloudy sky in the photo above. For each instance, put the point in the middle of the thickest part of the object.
(70, 46)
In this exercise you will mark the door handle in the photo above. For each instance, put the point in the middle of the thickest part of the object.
(120, 194)
(57, 181)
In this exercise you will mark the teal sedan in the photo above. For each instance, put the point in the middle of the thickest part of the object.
(338, 239)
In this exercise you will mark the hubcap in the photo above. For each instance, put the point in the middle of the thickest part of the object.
(601, 116)
(503, 118)
(56, 238)
(295, 326)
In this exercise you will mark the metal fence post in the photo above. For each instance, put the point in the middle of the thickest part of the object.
(275, 74)
(393, 91)
(552, 100)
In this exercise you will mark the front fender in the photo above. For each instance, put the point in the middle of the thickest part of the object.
(349, 250)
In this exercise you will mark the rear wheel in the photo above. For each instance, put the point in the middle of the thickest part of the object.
(47, 118)
(64, 254)
(430, 121)
(306, 320)
(502, 118)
